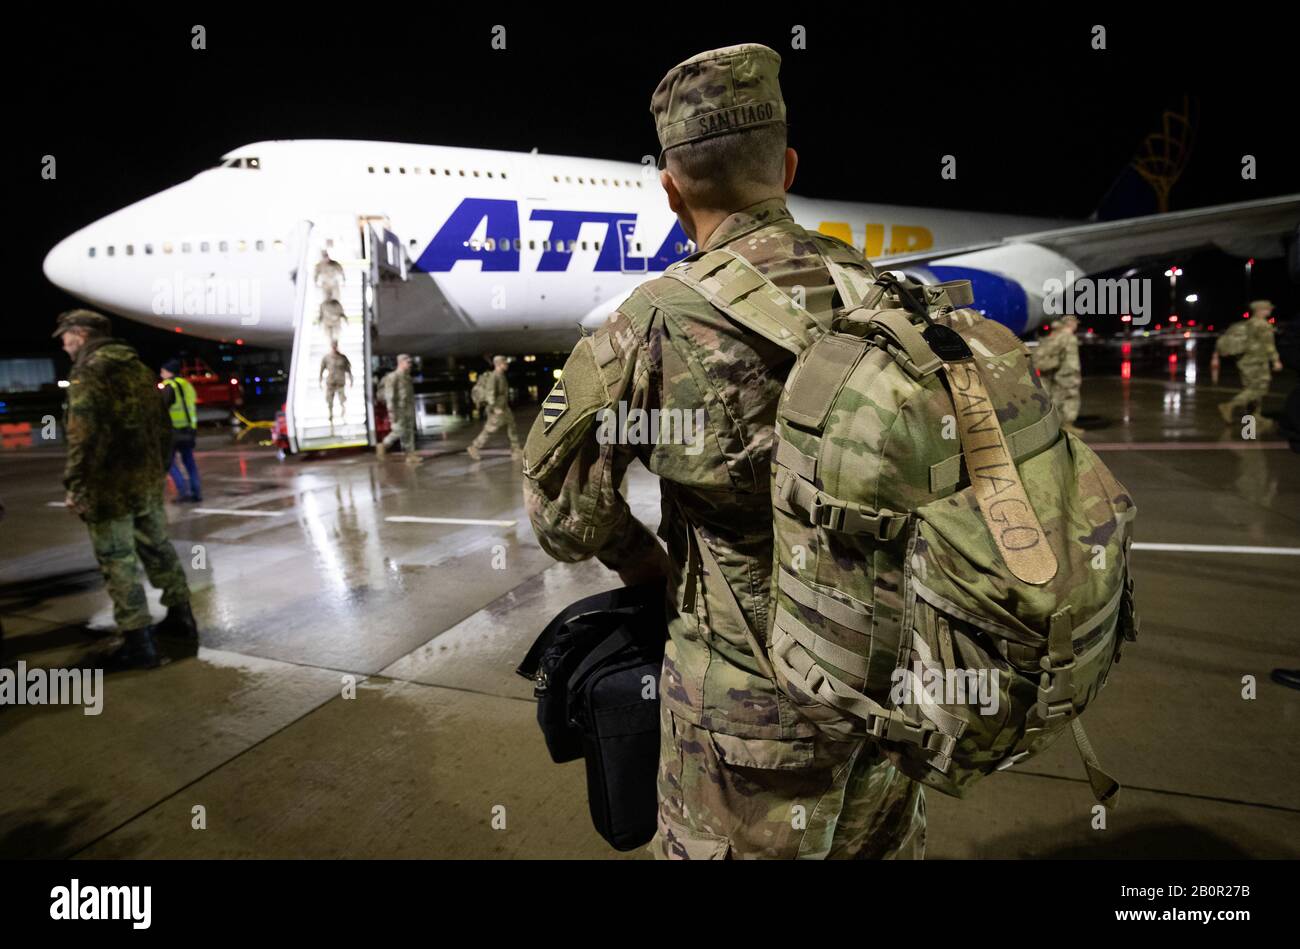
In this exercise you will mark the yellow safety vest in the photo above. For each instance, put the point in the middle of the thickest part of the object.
(182, 408)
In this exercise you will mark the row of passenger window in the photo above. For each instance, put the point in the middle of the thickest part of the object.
(187, 247)
(433, 172)
(515, 243)
(582, 180)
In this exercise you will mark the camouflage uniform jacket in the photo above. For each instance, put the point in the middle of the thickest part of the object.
(498, 391)
(1069, 372)
(118, 432)
(399, 394)
(335, 368)
(667, 348)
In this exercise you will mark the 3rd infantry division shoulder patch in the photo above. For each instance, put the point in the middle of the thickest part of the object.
(555, 405)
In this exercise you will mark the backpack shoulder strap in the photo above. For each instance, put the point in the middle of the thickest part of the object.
(736, 287)
(852, 274)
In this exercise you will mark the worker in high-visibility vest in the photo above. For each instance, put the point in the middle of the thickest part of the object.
(181, 400)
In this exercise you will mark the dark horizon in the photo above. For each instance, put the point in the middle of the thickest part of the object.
(1041, 124)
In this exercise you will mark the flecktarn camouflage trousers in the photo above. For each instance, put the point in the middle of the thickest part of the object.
(117, 544)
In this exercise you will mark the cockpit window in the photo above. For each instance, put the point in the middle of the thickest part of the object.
(253, 163)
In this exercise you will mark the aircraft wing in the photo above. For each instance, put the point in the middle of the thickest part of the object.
(1249, 229)
(1011, 277)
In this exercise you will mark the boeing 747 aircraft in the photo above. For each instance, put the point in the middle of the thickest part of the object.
(511, 252)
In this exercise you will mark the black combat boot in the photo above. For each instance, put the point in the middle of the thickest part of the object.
(1289, 677)
(178, 632)
(138, 652)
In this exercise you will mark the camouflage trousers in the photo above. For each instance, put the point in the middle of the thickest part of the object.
(117, 544)
(404, 431)
(1256, 377)
(331, 392)
(722, 797)
(1065, 393)
(492, 424)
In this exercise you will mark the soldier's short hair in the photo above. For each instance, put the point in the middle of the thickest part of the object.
(502, 360)
(730, 171)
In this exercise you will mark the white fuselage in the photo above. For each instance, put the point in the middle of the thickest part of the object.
(511, 251)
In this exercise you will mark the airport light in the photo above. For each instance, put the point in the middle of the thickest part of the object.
(1173, 273)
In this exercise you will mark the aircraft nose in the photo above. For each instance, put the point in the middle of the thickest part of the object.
(63, 266)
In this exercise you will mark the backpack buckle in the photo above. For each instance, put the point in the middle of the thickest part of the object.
(826, 514)
(1055, 692)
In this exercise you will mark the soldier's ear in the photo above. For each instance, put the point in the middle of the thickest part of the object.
(672, 191)
(791, 164)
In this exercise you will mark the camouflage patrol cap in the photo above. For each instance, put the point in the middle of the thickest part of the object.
(717, 93)
(70, 319)
(1257, 305)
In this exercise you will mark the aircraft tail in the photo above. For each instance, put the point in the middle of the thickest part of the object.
(1144, 185)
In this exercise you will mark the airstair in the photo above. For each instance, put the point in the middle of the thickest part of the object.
(367, 252)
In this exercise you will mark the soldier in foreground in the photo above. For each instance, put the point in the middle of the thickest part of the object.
(398, 393)
(1057, 360)
(119, 445)
(738, 756)
(497, 407)
(335, 375)
(1252, 343)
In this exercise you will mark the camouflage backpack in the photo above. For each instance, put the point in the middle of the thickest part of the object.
(961, 625)
(482, 390)
(1235, 341)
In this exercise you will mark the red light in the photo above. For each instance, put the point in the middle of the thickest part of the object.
(176, 328)
(1173, 357)
(1126, 369)
(1173, 319)
(1245, 316)
(1126, 348)
(1191, 322)
(1211, 327)
(239, 342)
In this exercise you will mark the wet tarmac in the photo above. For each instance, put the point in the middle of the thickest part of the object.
(423, 587)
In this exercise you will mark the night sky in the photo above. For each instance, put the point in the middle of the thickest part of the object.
(1041, 124)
